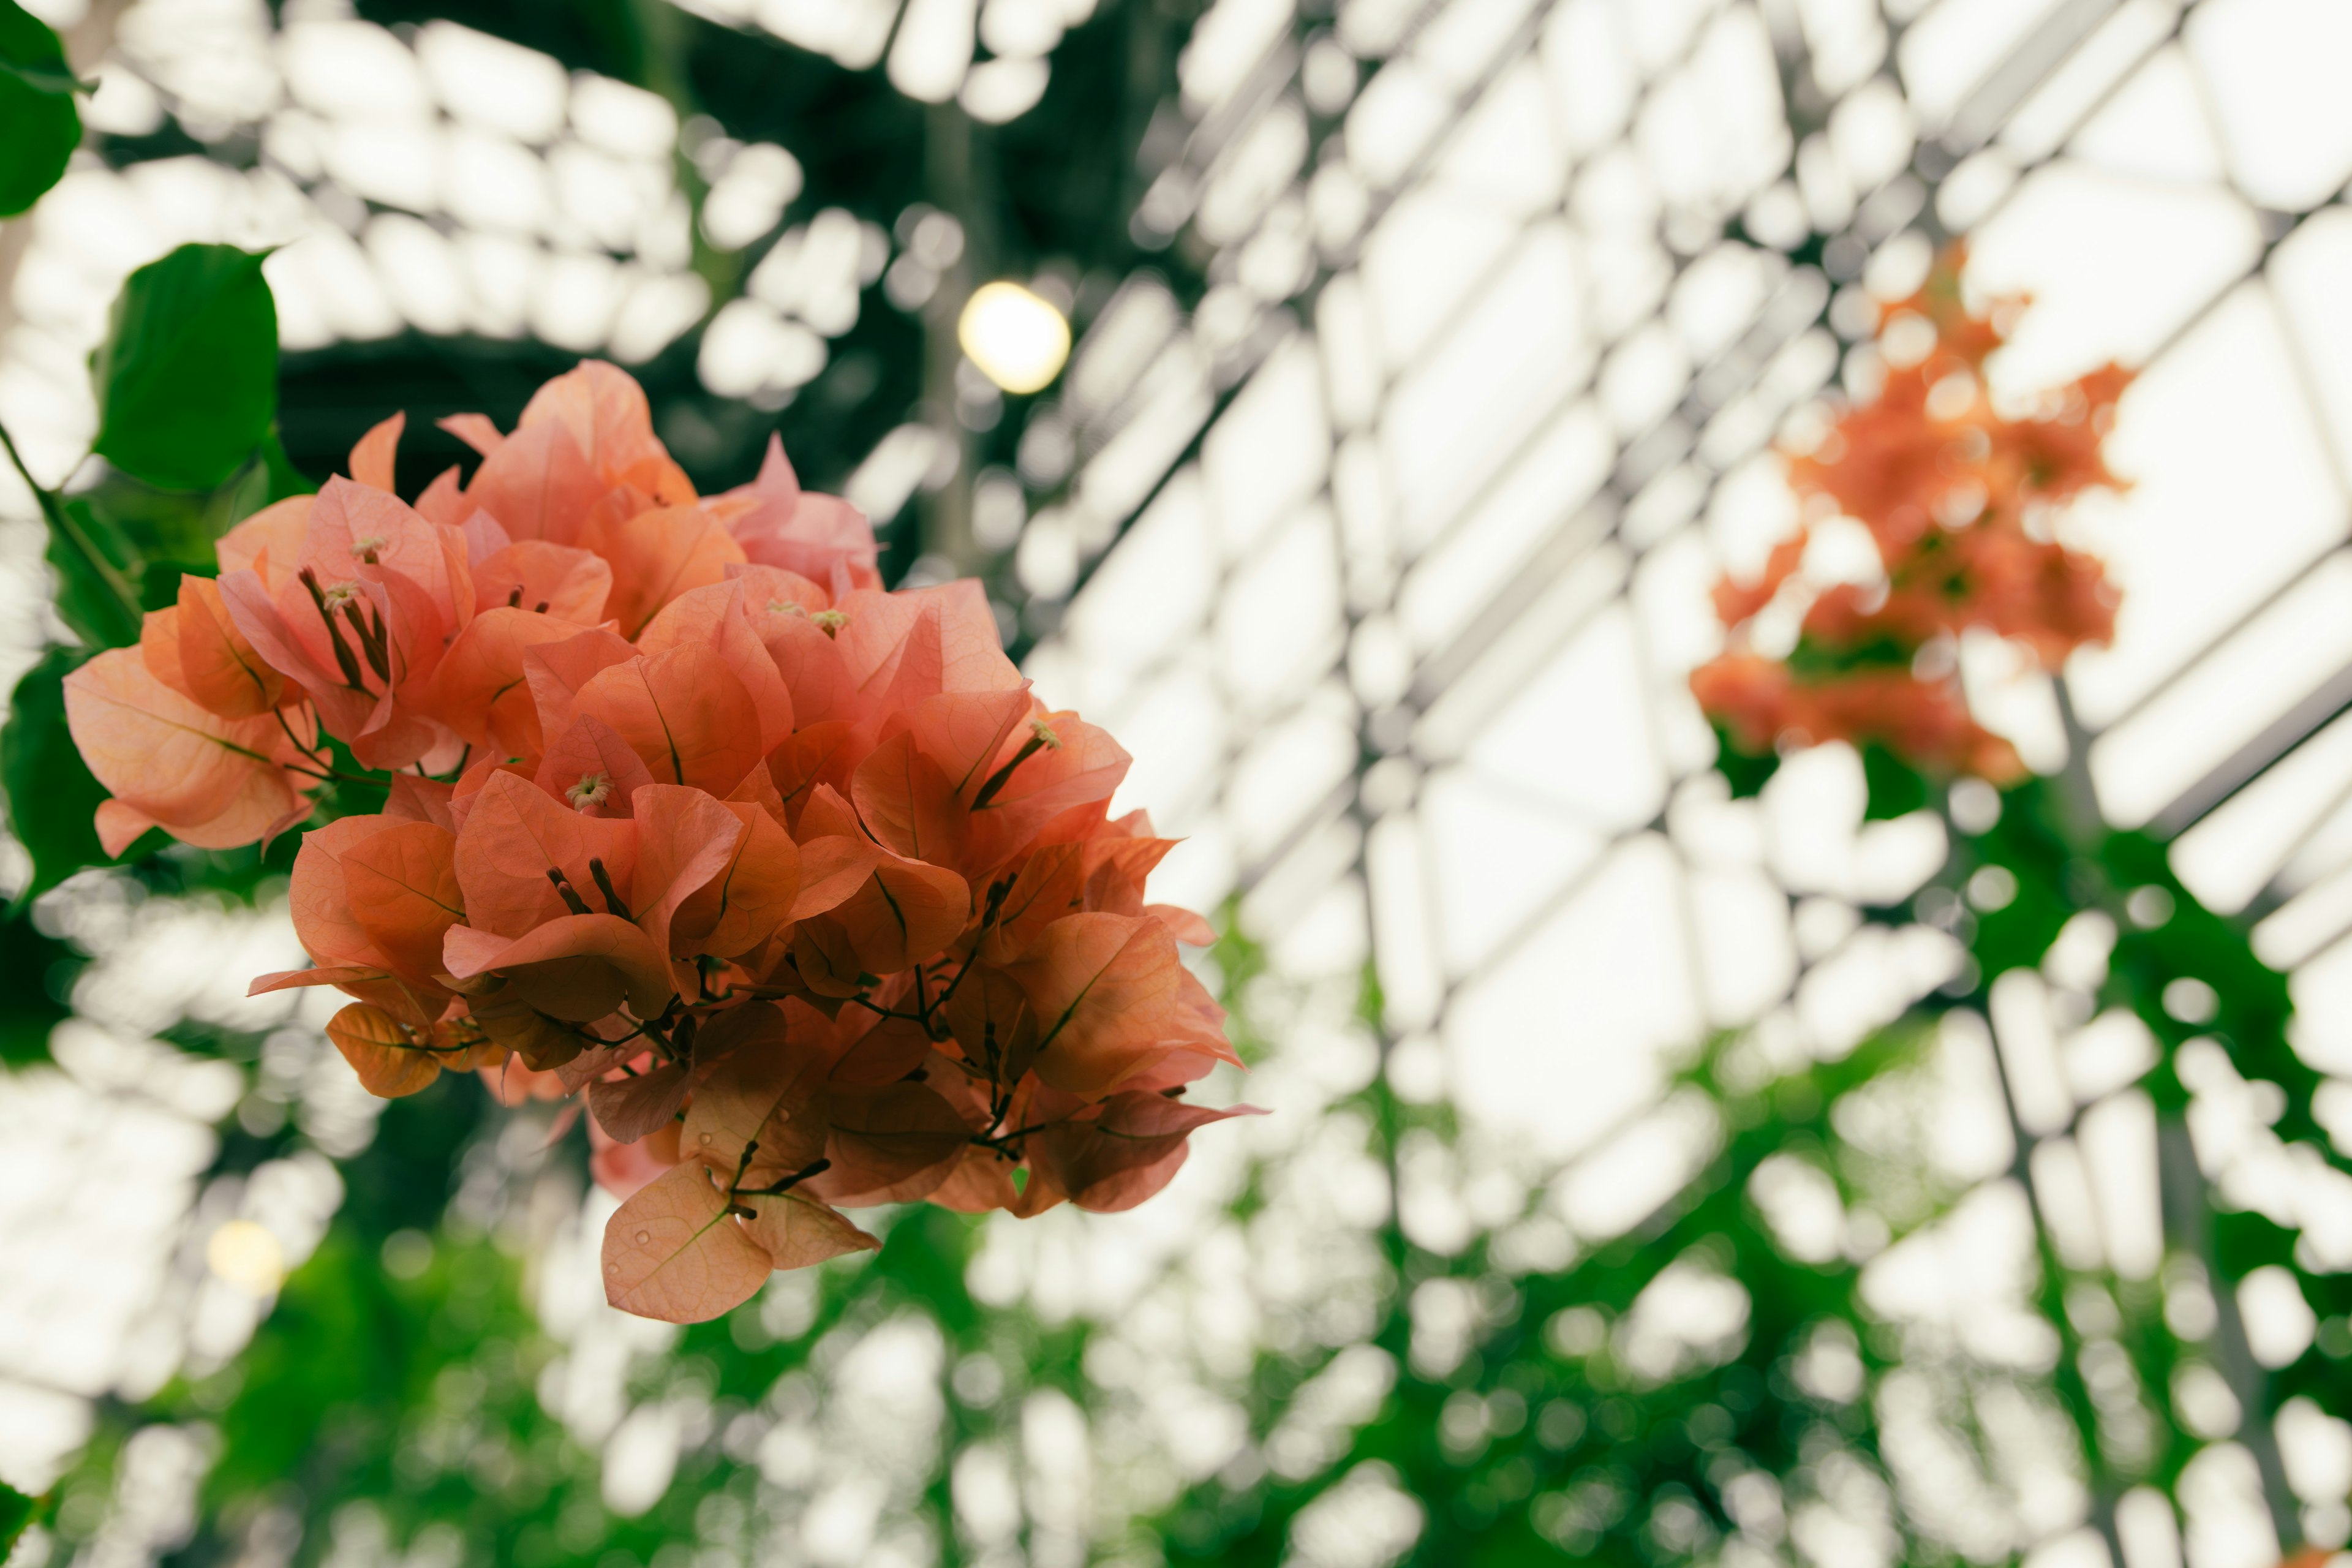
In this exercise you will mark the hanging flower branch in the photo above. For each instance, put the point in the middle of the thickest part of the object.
(1961, 500)
(792, 878)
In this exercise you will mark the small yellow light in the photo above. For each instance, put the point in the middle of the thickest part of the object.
(248, 1255)
(1018, 340)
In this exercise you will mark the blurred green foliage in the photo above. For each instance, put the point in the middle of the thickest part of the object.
(38, 123)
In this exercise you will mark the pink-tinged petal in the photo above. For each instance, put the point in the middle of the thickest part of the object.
(482, 688)
(592, 769)
(444, 500)
(820, 538)
(555, 580)
(270, 542)
(714, 616)
(891, 1145)
(625, 1169)
(605, 412)
(580, 968)
(537, 484)
(208, 781)
(1124, 1156)
(796, 1231)
(413, 799)
(903, 647)
(121, 825)
(684, 712)
(513, 835)
(675, 1253)
(371, 459)
(558, 669)
(629, 1108)
(684, 839)
(1183, 924)
(657, 555)
(477, 430)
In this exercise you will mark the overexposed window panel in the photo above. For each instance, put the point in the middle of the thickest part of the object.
(2307, 273)
(2232, 855)
(1945, 53)
(1289, 770)
(421, 272)
(1271, 447)
(2232, 497)
(1177, 730)
(1500, 672)
(1495, 858)
(1657, 32)
(2228, 698)
(392, 162)
(1714, 131)
(494, 183)
(2274, 68)
(1506, 152)
(1406, 945)
(2115, 268)
(1591, 78)
(1479, 393)
(2053, 109)
(1461, 42)
(1150, 597)
(1564, 1041)
(1228, 43)
(1846, 38)
(1719, 295)
(1174, 402)
(2155, 127)
(1746, 959)
(1402, 109)
(1429, 255)
(1561, 467)
(1642, 379)
(1278, 619)
(354, 70)
(1578, 734)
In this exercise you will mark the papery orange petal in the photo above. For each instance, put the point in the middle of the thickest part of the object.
(580, 968)
(672, 1251)
(568, 583)
(796, 1231)
(371, 458)
(381, 1052)
(683, 712)
(893, 1146)
(1108, 996)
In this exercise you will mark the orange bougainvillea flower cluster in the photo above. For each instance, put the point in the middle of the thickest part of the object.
(1960, 500)
(792, 878)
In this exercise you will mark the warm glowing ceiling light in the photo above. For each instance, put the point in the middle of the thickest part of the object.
(248, 1255)
(1018, 341)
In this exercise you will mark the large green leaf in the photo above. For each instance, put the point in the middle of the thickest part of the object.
(187, 378)
(38, 126)
(99, 573)
(51, 795)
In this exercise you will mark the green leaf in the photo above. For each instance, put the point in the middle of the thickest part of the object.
(38, 125)
(51, 795)
(187, 378)
(17, 1509)
(1746, 771)
(1896, 788)
(99, 573)
(270, 478)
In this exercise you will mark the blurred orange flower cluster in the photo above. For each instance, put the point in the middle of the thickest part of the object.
(1960, 501)
(792, 876)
